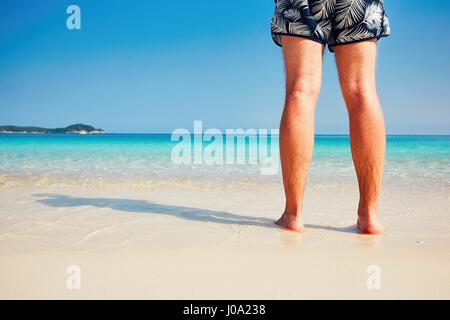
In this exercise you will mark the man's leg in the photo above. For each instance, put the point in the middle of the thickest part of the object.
(356, 66)
(303, 62)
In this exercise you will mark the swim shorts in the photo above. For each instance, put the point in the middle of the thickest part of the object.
(331, 22)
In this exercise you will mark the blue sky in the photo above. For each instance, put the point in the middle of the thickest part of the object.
(154, 66)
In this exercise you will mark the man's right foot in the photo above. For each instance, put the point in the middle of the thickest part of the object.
(369, 224)
(291, 223)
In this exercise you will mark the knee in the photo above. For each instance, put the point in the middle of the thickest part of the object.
(360, 96)
(301, 90)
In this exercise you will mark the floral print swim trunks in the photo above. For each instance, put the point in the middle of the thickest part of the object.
(331, 22)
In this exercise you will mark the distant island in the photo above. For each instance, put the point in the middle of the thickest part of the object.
(73, 129)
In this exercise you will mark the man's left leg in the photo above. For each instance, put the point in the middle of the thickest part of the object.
(356, 67)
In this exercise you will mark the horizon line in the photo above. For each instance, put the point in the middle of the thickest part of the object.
(169, 133)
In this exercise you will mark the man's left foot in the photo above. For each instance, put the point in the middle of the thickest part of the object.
(291, 223)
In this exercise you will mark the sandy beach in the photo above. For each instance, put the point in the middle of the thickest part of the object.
(218, 241)
(141, 146)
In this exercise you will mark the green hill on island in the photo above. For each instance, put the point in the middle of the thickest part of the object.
(75, 128)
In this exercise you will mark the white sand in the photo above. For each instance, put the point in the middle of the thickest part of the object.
(216, 241)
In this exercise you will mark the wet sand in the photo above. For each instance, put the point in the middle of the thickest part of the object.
(219, 242)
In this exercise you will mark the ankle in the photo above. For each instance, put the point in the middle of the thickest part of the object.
(367, 211)
(292, 212)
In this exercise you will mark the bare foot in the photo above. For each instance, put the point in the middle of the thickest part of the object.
(290, 222)
(369, 223)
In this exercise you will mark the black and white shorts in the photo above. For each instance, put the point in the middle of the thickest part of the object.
(332, 22)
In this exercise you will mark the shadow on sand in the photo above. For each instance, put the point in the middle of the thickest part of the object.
(188, 213)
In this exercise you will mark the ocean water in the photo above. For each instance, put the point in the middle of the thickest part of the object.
(42, 159)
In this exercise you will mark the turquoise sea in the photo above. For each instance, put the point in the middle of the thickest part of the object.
(84, 159)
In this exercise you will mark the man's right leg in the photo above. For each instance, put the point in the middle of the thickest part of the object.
(303, 60)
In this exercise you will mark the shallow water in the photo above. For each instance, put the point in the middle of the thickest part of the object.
(85, 159)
